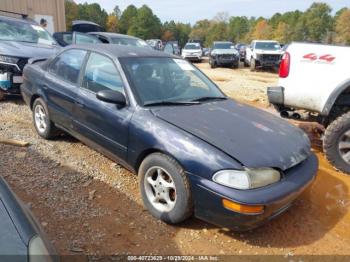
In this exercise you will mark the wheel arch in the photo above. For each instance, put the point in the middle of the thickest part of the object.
(147, 152)
(343, 88)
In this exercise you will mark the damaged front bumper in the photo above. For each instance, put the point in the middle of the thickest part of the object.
(276, 198)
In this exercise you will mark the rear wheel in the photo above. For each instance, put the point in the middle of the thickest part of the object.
(165, 189)
(336, 144)
(42, 122)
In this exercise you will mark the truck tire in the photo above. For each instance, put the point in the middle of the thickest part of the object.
(336, 143)
(252, 64)
(213, 64)
(165, 188)
(2, 95)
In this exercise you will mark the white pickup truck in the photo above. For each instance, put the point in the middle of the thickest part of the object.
(262, 54)
(315, 78)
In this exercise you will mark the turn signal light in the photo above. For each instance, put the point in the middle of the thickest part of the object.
(243, 209)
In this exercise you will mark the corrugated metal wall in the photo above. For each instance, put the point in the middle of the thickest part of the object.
(54, 8)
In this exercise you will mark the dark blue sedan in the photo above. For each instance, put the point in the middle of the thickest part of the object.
(196, 152)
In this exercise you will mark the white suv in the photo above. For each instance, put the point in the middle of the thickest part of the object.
(192, 52)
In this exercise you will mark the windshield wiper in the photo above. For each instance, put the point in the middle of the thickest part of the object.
(171, 103)
(209, 98)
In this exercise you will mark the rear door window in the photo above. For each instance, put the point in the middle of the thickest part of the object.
(67, 65)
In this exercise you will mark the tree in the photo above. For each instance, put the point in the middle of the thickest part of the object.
(116, 11)
(167, 36)
(318, 21)
(71, 13)
(127, 19)
(238, 27)
(200, 29)
(262, 30)
(282, 33)
(217, 32)
(342, 27)
(146, 25)
(112, 23)
(93, 12)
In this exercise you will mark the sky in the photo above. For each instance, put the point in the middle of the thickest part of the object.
(190, 11)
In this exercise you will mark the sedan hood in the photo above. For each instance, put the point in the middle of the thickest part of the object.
(253, 137)
(27, 50)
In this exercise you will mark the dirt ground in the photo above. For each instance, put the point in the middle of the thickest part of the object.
(89, 205)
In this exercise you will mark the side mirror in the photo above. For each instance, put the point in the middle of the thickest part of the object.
(111, 96)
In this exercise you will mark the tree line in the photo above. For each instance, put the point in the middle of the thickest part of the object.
(316, 24)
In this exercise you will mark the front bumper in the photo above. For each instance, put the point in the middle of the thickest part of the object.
(276, 198)
(192, 57)
(275, 95)
(226, 61)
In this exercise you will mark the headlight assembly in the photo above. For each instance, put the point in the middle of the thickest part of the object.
(8, 59)
(248, 178)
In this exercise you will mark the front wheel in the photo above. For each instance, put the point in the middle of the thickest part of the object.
(336, 143)
(42, 122)
(165, 189)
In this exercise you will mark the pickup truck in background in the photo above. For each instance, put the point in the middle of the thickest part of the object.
(315, 78)
(263, 54)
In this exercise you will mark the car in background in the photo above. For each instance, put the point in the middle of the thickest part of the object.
(223, 54)
(21, 237)
(192, 52)
(206, 51)
(241, 48)
(172, 47)
(156, 44)
(20, 40)
(83, 26)
(263, 54)
(119, 39)
(75, 38)
(196, 151)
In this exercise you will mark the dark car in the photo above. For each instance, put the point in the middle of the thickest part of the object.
(195, 150)
(21, 238)
(172, 47)
(119, 39)
(223, 54)
(75, 38)
(241, 48)
(20, 40)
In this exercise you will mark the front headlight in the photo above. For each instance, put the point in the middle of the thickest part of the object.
(248, 178)
(38, 251)
(8, 59)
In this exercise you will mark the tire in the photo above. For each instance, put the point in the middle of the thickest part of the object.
(235, 65)
(161, 175)
(2, 95)
(213, 64)
(41, 119)
(252, 64)
(335, 143)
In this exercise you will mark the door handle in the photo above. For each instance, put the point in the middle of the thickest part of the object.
(80, 103)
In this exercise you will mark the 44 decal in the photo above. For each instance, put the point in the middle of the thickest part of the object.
(327, 58)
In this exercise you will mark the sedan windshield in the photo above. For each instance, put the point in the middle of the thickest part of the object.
(163, 80)
(267, 46)
(129, 42)
(24, 32)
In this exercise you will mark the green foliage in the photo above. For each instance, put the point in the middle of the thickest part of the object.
(316, 24)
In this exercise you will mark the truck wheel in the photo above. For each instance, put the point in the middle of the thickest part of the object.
(42, 122)
(336, 143)
(213, 64)
(165, 189)
(252, 64)
(2, 95)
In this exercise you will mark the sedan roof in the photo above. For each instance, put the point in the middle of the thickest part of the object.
(119, 51)
(109, 34)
